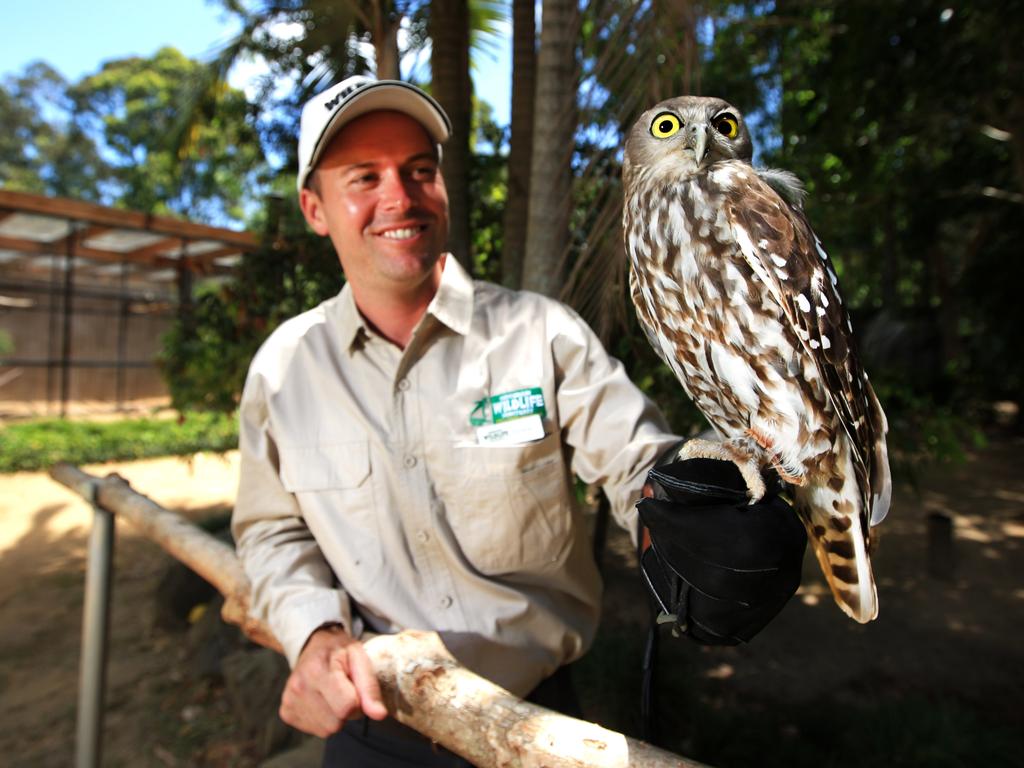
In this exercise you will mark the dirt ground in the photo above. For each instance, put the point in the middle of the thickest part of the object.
(155, 712)
(945, 644)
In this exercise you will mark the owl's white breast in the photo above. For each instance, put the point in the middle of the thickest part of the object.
(717, 324)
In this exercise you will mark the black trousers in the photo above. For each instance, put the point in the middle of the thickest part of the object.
(367, 743)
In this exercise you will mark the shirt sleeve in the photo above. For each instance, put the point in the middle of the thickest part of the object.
(294, 590)
(616, 432)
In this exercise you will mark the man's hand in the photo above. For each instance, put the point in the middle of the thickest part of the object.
(719, 567)
(333, 681)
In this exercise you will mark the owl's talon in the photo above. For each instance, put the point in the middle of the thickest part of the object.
(752, 477)
(736, 451)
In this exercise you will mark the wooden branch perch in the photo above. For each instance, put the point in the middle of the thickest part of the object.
(424, 686)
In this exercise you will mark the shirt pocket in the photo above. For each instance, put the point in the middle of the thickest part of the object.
(332, 484)
(508, 507)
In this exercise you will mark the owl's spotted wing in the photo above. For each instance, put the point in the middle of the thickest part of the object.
(785, 254)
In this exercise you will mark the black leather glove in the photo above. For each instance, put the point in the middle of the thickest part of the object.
(719, 568)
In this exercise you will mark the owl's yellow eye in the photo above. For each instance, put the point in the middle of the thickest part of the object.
(664, 125)
(727, 125)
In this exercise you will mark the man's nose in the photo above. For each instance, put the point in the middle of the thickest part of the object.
(394, 192)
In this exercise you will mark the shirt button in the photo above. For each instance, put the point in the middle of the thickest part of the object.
(446, 602)
(403, 384)
(409, 462)
(423, 536)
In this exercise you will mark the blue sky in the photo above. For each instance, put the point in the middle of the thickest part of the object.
(76, 37)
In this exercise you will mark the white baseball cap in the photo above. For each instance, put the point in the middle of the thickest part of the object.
(327, 112)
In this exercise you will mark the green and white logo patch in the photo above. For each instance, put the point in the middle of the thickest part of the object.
(509, 405)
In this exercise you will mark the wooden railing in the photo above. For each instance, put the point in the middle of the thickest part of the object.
(422, 683)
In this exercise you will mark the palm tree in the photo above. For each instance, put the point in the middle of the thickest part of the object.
(554, 129)
(452, 87)
(633, 55)
(524, 67)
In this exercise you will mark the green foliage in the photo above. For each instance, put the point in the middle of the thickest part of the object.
(904, 121)
(904, 118)
(487, 192)
(134, 106)
(34, 445)
(42, 147)
(206, 356)
(923, 431)
(116, 138)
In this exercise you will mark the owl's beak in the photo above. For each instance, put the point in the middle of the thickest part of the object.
(696, 138)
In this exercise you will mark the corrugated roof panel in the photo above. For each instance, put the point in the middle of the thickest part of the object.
(124, 240)
(29, 226)
(200, 247)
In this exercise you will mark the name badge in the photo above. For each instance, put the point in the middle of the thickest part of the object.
(525, 429)
(510, 418)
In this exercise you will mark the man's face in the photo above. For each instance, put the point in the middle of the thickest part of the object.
(381, 199)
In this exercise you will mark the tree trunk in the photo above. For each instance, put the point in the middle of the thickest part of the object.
(386, 21)
(524, 67)
(449, 62)
(554, 128)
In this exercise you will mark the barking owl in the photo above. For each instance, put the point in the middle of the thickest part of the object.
(736, 294)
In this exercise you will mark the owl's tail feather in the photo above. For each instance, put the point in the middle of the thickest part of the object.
(837, 533)
(881, 479)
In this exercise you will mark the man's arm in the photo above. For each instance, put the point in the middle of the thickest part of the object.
(294, 589)
(616, 432)
(744, 559)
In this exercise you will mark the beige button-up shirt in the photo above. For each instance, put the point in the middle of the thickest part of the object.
(367, 498)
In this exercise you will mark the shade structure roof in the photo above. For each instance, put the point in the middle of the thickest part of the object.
(45, 232)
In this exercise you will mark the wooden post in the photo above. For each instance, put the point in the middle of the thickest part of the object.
(66, 342)
(423, 685)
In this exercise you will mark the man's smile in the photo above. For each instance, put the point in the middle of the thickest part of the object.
(402, 234)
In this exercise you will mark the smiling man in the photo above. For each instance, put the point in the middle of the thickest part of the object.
(408, 446)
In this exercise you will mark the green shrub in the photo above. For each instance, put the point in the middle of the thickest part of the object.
(35, 445)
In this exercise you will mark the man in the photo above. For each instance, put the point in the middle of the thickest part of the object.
(408, 446)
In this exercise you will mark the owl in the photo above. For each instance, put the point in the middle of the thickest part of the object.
(736, 294)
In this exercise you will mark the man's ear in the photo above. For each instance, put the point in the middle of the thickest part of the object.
(313, 210)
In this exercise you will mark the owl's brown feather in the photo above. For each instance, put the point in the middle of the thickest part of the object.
(736, 294)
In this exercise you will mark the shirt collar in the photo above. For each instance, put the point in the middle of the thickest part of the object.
(451, 305)
(453, 302)
(351, 324)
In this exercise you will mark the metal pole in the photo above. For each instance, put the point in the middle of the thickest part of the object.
(65, 353)
(51, 339)
(122, 334)
(95, 625)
